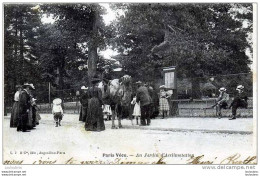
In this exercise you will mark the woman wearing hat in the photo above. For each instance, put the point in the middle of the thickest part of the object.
(84, 104)
(15, 108)
(240, 100)
(24, 122)
(221, 101)
(164, 105)
(94, 120)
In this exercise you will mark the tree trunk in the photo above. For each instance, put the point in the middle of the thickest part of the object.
(21, 51)
(92, 49)
(195, 88)
(16, 55)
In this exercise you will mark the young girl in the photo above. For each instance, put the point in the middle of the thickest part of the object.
(164, 105)
(137, 110)
(57, 111)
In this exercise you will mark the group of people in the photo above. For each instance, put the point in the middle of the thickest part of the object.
(24, 115)
(240, 100)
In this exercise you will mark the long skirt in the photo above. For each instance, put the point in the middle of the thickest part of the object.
(164, 105)
(31, 119)
(94, 120)
(83, 114)
(14, 115)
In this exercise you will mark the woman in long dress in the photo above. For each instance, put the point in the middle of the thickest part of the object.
(15, 108)
(94, 120)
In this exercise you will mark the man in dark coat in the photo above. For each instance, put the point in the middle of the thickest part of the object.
(106, 76)
(152, 105)
(143, 96)
(24, 108)
(240, 100)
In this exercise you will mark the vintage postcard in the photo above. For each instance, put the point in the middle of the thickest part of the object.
(130, 83)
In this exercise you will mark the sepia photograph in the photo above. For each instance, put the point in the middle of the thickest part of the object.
(129, 83)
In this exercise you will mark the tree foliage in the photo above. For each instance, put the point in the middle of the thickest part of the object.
(200, 39)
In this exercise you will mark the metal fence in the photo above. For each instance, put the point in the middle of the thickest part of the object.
(199, 108)
(208, 86)
(185, 108)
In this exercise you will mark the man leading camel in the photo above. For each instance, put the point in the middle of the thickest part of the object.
(143, 96)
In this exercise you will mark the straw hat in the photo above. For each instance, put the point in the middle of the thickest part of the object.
(138, 82)
(84, 88)
(106, 67)
(18, 86)
(30, 85)
(240, 87)
(162, 87)
(57, 101)
(222, 89)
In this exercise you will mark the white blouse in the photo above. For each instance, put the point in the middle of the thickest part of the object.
(57, 108)
(16, 96)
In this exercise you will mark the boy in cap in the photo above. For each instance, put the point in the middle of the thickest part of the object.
(240, 100)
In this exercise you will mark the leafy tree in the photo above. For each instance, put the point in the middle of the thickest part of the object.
(21, 24)
(200, 39)
(82, 24)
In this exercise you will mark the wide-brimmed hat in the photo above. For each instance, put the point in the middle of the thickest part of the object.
(240, 87)
(138, 82)
(32, 86)
(84, 88)
(162, 87)
(57, 101)
(28, 85)
(222, 89)
(106, 67)
(18, 86)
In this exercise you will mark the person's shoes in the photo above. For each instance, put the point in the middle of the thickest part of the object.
(232, 118)
(56, 124)
(26, 131)
(142, 125)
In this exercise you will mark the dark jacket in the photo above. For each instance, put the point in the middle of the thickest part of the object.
(107, 76)
(84, 99)
(24, 103)
(143, 96)
(95, 92)
(242, 96)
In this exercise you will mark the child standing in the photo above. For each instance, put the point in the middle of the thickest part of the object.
(57, 111)
(164, 105)
(137, 110)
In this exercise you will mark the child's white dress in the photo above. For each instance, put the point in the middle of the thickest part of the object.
(137, 109)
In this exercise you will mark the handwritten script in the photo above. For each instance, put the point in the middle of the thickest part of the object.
(233, 159)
